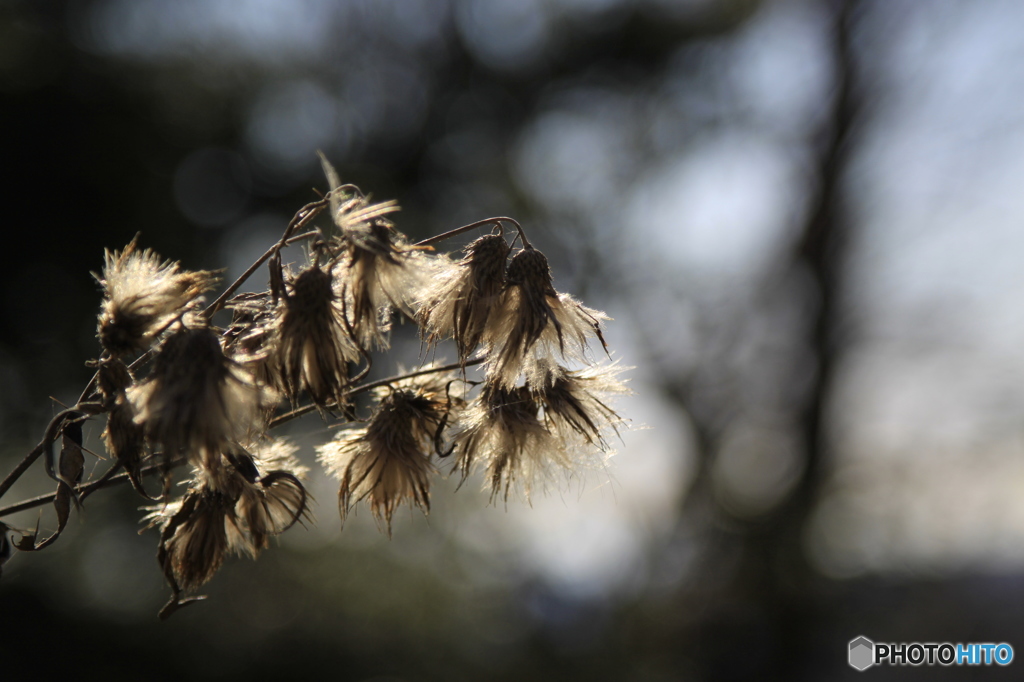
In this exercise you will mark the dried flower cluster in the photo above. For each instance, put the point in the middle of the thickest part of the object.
(234, 507)
(142, 296)
(207, 396)
(389, 460)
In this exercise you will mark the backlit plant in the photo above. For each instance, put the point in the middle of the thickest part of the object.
(175, 390)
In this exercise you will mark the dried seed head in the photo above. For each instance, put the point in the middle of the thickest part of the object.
(197, 400)
(459, 301)
(142, 295)
(388, 471)
(502, 428)
(576, 403)
(279, 502)
(429, 401)
(276, 499)
(194, 538)
(249, 338)
(358, 218)
(233, 507)
(389, 460)
(311, 343)
(534, 322)
(264, 483)
(379, 270)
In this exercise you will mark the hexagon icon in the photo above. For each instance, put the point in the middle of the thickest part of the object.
(862, 653)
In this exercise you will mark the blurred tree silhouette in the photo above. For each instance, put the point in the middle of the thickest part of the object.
(776, 602)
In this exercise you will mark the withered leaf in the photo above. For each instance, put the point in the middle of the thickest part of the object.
(70, 468)
(72, 461)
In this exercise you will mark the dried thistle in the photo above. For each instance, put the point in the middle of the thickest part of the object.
(142, 295)
(433, 400)
(534, 322)
(193, 538)
(275, 498)
(576, 403)
(502, 428)
(249, 337)
(388, 461)
(461, 298)
(311, 344)
(234, 507)
(197, 400)
(379, 270)
(208, 393)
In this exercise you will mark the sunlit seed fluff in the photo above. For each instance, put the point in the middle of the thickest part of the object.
(575, 403)
(502, 429)
(461, 298)
(278, 454)
(388, 462)
(534, 324)
(142, 294)
(275, 498)
(379, 273)
(379, 269)
(233, 507)
(249, 337)
(311, 344)
(194, 537)
(197, 401)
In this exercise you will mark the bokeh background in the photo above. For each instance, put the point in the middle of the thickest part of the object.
(804, 216)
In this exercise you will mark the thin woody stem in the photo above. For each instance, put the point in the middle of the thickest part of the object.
(22, 467)
(479, 223)
(410, 375)
(300, 220)
(300, 237)
(306, 409)
(100, 482)
(84, 490)
(252, 268)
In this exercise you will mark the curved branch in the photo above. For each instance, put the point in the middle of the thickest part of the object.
(49, 436)
(84, 490)
(306, 409)
(304, 216)
(480, 223)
